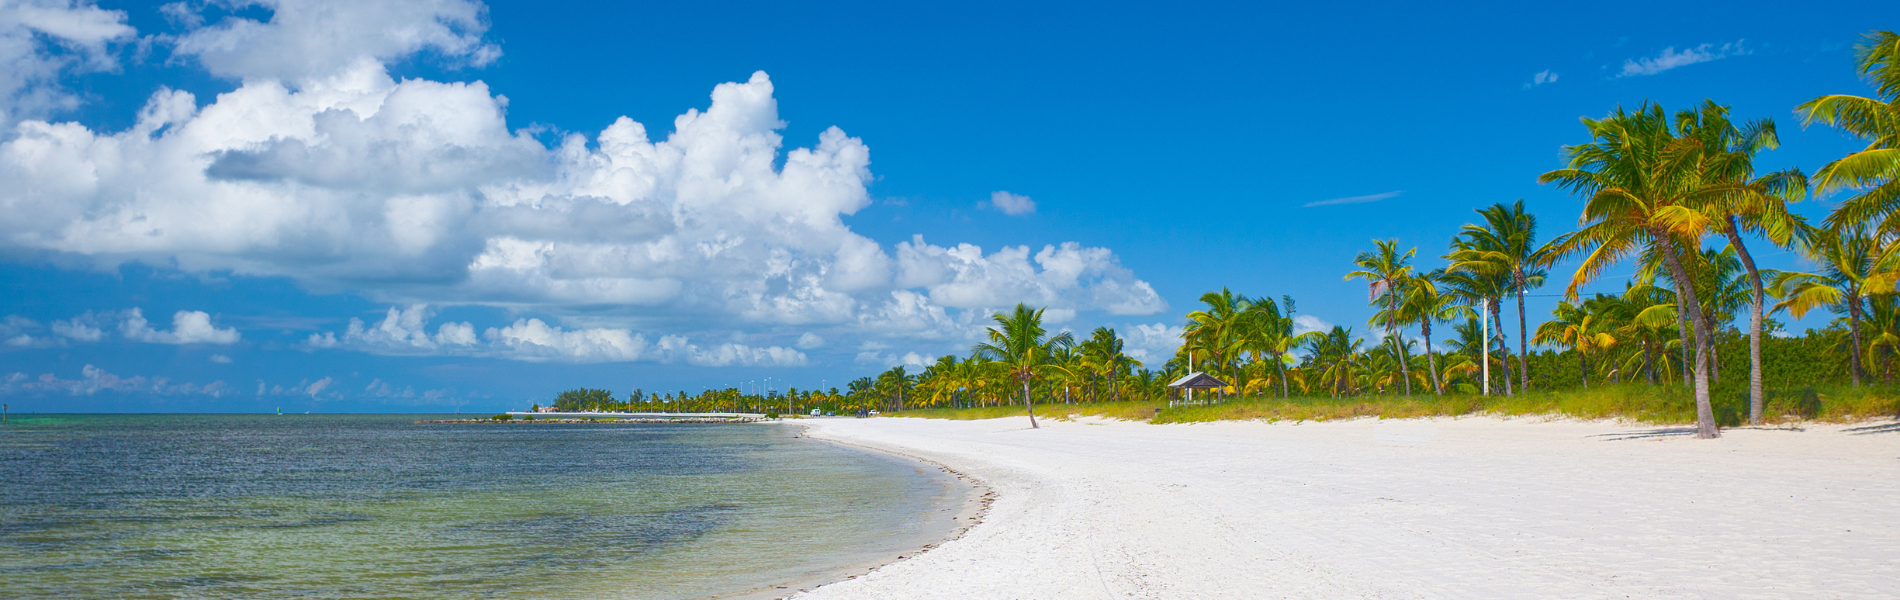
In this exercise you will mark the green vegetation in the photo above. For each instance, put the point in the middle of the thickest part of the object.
(1635, 403)
(503, 417)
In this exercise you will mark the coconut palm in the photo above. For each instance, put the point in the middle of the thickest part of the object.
(1579, 329)
(1267, 329)
(1883, 333)
(1216, 332)
(1874, 171)
(1023, 348)
(1336, 355)
(1485, 291)
(1507, 243)
(1383, 269)
(1641, 188)
(1740, 201)
(1850, 272)
(1641, 315)
(1425, 304)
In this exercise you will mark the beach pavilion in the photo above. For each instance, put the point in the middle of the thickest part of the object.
(1197, 381)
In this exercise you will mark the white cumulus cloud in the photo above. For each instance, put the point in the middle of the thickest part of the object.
(188, 327)
(1152, 344)
(312, 38)
(42, 39)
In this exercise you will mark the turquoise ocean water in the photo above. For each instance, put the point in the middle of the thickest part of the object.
(378, 506)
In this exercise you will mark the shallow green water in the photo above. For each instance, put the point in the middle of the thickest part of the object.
(377, 506)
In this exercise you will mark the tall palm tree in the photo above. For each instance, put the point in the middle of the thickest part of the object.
(1739, 201)
(1640, 184)
(1850, 272)
(1020, 344)
(1484, 290)
(1425, 304)
(1102, 357)
(1874, 172)
(1383, 269)
(1216, 331)
(1268, 330)
(1507, 243)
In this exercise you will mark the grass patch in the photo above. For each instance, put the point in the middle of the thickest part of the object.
(1127, 411)
(1632, 402)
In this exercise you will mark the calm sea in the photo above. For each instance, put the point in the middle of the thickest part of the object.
(377, 506)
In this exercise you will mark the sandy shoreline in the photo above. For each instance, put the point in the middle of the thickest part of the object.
(1466, 508)
(968, 512)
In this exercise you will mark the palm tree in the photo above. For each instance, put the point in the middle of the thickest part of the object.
(1268, 330)
(1883, 320)
(1507, 243)
(1745, 202)
(1640, 184)
(1383, 269)
(1485, 290)
(1020, 344)
(1642, 314)
(1216, 331)
(1336, 354)
(1850, 272)
(1579, 329)
(1874, 172)
(1425, 305)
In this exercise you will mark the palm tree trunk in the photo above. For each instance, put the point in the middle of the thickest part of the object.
(1583, 366)
(1685, 291)
(1715, 360)
(1391, 330)
(1425, 327)
(1682, 339)
(1755, 394)
(1030, 405)
(1649, 364)
(1497, 316)
(1281, 364)
(1853, 329)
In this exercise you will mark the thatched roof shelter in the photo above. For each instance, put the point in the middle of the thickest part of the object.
(1197, 381)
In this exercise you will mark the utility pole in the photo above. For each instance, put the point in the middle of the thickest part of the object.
(1485, 318)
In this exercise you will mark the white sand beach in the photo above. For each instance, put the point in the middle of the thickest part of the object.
(1465, 508)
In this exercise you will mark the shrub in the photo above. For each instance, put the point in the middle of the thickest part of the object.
(503, 417)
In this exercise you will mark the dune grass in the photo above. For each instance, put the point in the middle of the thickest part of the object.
(1636, 403)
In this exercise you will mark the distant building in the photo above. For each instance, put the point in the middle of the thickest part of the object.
(545, 409)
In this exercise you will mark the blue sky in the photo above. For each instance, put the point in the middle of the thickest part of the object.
(458, 178)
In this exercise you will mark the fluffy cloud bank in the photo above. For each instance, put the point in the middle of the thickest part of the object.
(406, 331)
(323, 168)
(93, 380)
(188, 327)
